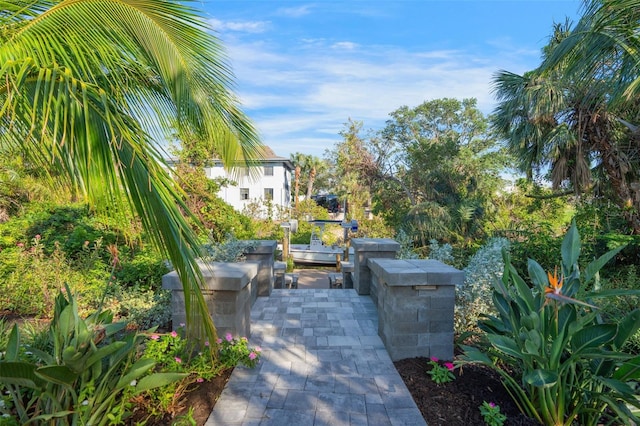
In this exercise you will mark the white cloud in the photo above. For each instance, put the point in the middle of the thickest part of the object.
(294, 12)
(300, 97)
(252, 27)
(345, 45)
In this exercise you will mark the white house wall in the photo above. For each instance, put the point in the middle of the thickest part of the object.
(280, 182)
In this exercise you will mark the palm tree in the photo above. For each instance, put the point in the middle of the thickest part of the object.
(89, 88)
(298, 159)
(559, 117)
(314, 164)
(604, 45)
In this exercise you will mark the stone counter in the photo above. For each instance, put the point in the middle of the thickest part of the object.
(415, 300)
(227, 292)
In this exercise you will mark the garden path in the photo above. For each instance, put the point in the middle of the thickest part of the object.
(323, 363)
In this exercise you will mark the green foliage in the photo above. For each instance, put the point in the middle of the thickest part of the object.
(234, 351)
(143, 309)
(32, 270)
(491, 414)
(406, 246)
(143, 271)
(221, 219)
(230, 250)
(173, 352)
(30, 287)
(85, 378)
(437, 170)
(443, 252)
(568, 361)
(474, 295)
(441, 373)
(539, 242)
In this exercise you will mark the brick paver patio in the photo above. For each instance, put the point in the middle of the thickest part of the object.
(323, 363)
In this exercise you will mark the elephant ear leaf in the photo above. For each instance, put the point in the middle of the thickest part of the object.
(541, 378)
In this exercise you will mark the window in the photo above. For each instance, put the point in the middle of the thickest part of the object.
(268, 170)
(244, 193)
(268, 193)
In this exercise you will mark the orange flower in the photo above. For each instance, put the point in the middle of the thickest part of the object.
(554, 285)
(113, 251)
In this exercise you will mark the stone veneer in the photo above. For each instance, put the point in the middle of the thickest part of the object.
(263, 253)
(365, 249)
(415, 300)
(227, 292)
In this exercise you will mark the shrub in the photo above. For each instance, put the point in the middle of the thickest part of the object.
(473, 297)
(560, 361)
(230, 250)
(440, 252)
(143, 309)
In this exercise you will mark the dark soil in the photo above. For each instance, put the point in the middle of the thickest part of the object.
(450, 404)
(456, 403)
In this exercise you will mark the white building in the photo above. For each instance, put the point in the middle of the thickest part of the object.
(271, 179)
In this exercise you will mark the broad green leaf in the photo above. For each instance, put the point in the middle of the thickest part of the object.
(627, 328)
(47, 417)
(43, 356)
(538, 275)
(66, 323)
(157, 380)
(506, 345)
(473, 354)
(524, 293)
(135, 371)
(111, 329)
(629, 370)
(612, 293)
(595, 266)
(20, 374)
(541, 378)
(570, 249)
(60, 374)
(533, 342)
(104, 352)
(592, 337)
(13, 346)
(616, 385)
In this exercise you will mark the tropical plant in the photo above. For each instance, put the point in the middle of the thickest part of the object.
(559, 360)
(85, 85)
(86, 376)
(576, 115)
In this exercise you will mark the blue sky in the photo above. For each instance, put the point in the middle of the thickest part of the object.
(302, 69)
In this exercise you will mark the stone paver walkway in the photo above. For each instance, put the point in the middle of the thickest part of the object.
(323, 363)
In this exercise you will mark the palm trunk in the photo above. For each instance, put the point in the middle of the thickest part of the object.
(312, 178)
(296, 196)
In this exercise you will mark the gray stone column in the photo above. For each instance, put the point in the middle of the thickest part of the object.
(415, 302)
(227, 292)
(369, 248)
(264, 253)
